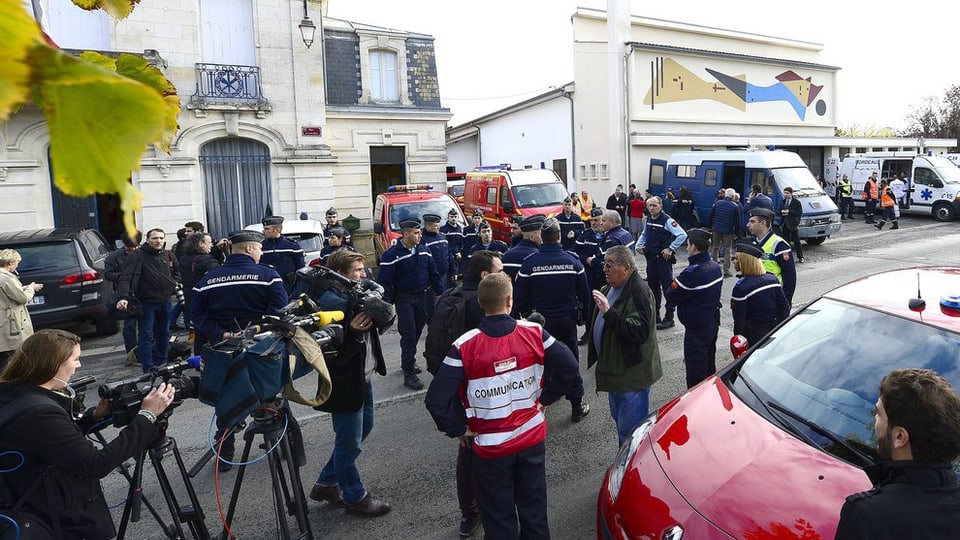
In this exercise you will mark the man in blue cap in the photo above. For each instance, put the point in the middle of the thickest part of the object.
(530, 244)
(777, 256)
(437, 243)
(453, 230)
(281, 253)
(334, 223)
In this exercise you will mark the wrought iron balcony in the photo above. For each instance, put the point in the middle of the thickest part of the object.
(219, 84)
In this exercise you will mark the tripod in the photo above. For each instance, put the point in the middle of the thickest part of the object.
(284, 445)
(192, 514)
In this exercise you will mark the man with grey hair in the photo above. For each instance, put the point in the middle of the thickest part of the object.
(613, 235)
(725, 222)
(622, 341)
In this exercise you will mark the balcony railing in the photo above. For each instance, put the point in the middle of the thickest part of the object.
(219, 84)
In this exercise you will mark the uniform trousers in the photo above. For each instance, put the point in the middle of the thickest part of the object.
(513, 488)
(412, 312)
(700, 351)
(465, 492)
(564, 329)
(659, 276)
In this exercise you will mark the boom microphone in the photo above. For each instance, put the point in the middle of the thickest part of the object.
(324, 318)
(382, 313)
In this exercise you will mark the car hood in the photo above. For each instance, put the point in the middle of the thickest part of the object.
(745, 475)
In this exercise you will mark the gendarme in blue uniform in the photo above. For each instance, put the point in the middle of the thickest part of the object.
(284, 255)
(589, 246)
(494, 245)
(696, 295)
(454, 234)
(514, 257)
(659, 233)
(442, 256)
(617, 236)
(758, 305)
(571, 222)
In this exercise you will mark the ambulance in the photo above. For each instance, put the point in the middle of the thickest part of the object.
(933, 182)
(704, 172)
(505, 195)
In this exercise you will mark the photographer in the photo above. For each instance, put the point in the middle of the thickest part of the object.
(351, 402)
(58, 475)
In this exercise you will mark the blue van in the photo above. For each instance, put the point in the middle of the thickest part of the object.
(707, 171)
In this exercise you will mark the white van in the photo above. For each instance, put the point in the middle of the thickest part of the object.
(933, 182)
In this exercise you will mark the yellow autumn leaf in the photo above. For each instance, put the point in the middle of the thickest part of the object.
(100, 124)
(18, 32)
(118, 9)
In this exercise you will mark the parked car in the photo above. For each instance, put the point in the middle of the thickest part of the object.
(407, 201)
(772, 445)
(306, 232)
(69, 264)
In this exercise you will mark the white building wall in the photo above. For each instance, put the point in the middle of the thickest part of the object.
(530, 137)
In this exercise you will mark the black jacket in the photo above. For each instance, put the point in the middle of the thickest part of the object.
(794, 210)
(48, 435)
(149, 274)
(193, 267)
(908, 500)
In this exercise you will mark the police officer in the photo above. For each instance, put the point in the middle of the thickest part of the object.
(553, 283)
(777, 257)
(453, 230)
(437, 243)
(470, 237)
(333, 223)
(530, 244)
(230, 297)
(486, 242)
(845, 191)
(662, 236)
(613, 235)
(411, 282)
(588, 245)
(571, 225)
(757, 301)
(335, 242)
(696, 294)
(283, 254)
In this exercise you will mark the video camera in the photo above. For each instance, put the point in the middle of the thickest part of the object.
(367, 293)
(124, 397)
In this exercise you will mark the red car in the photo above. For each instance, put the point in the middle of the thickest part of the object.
(772, 445)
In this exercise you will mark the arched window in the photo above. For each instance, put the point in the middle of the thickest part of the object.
(384, 84)
(236, 182)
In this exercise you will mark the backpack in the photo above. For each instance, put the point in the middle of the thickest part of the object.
(447, 325)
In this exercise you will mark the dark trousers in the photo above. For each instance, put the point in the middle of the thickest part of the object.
(846, 206)
(412, 312)
(659, 276)
(870, 208)
(700, 352)
(792, 237)
(564, 329)
(513, 488)
(465, 493)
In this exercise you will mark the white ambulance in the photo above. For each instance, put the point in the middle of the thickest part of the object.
(933, 182)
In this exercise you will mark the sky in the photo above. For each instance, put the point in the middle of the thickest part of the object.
(493, 53)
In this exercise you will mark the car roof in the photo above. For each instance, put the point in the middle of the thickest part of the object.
(295, 226)
(34, 236)
(890, 292)
(414, 195)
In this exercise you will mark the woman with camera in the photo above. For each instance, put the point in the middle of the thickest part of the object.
(15, 323)
(51, 470)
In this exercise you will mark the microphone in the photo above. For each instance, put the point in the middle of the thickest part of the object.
(382, 313)
(324, 318)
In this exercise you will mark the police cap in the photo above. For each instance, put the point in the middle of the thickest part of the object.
(338, 232)
(239, 237)
(331, 211)
(478, 213)
(410, 223)
(484, 226)
(431, 218)
(699, 234)
(763, 213)
(532, 223)
(567, 200)
(453, 212)
(550, 224)
(748, 249)
(272, 220)
(596, 212)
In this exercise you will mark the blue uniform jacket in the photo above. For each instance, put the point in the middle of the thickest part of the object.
(442, 255)
(328, 250)
(757, 298)
(784, 257)
(348, 240)
(283, 254)
(616, 236)
(406, 271)
(514, 257)
(589, 246)
(551, 281)
(661, 232)
(231, 296)
(560, 374)
(570, 223)
(494, 245)
(454, 234)
(471, 235)
(696, 292)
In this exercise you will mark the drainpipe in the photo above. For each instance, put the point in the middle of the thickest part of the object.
(573, 135)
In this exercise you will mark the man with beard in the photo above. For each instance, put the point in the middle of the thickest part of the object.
(915, 492)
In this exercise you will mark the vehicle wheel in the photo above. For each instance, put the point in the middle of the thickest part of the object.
(816, 241)
(943, 212)
(106, 326)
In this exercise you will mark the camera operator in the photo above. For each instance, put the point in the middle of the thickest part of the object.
(230, 297)
(58, 476)
(351, 401)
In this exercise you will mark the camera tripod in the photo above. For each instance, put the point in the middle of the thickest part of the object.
(284, 446)
(191, 514)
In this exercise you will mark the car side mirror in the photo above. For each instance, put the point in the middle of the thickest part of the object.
(507, 207)
(378, 227)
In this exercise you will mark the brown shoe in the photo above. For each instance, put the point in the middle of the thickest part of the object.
(331, 494)
(368, 507)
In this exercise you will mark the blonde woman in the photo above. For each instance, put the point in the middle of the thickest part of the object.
(757, 301)
(15, 323)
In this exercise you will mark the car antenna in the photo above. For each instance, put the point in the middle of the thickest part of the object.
(917, 304)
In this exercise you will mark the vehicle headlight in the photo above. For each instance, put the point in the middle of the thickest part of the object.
(806, 222)
(626, 453)
(835, 217)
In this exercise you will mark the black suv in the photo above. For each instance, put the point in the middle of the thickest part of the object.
(69, 264)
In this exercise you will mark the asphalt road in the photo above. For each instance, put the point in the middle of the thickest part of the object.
(409, 464)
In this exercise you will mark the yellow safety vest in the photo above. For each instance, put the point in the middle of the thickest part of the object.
(770, 263)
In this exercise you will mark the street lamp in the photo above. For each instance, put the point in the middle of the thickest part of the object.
(307, 29)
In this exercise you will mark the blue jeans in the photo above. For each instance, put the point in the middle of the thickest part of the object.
(154, 334)
(175, 314)
(129, 334)
(350, 430)
(628, 410)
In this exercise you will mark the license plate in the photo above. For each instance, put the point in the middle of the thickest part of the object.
(36, 301)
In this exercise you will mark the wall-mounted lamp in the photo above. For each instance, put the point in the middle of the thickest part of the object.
(307, 29)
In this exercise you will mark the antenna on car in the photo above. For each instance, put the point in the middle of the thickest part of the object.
(917, 304)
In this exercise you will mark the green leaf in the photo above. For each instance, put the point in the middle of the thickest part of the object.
(18, 32)
(118, 9)
(100, 123)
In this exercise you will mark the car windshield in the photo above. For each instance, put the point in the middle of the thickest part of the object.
(457, 191)
(825, 366)
(800, 179)
(416, 210)
(47, 256)
(308, 241)
(536, 195)
(946, 169)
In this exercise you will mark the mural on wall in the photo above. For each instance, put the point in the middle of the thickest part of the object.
(671, 82)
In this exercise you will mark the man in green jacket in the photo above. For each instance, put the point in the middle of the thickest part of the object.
(623, 341)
